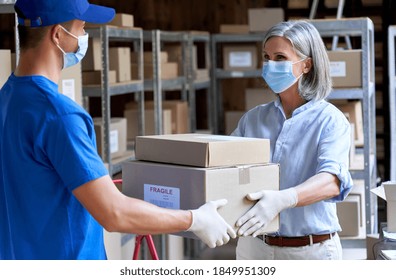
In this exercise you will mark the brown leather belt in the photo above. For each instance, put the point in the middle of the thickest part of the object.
(299, 241)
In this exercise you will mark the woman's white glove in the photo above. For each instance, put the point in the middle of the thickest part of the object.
(269, 204)
(209, 226)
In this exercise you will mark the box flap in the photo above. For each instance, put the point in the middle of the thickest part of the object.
(387, 191)
(390, 190)
(379, 192)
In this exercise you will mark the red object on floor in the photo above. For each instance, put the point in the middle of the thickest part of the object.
(139, 239)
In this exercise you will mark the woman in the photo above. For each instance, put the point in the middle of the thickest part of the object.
(310, 139)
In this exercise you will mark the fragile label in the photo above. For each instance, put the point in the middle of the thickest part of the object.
(337, 69)
(162, 196)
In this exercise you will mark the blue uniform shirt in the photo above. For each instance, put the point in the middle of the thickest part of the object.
(47, 149)
(315, 139)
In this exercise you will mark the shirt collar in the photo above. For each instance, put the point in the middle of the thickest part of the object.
(300, 109)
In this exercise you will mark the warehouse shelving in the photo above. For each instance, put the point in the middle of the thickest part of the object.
(158, 85)
(354, 27)
(106, 90)
(218, 74)
(186, 82)
(392, 98)
(195, 83)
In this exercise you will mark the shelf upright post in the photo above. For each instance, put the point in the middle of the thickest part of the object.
(157, 86)
(392, 99)
(105, 96)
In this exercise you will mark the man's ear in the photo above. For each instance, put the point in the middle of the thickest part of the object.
(56, 33)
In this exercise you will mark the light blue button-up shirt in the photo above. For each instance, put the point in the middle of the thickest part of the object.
(315, 139)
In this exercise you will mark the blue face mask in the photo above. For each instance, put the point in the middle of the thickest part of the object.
(279, 74)
(70, 59)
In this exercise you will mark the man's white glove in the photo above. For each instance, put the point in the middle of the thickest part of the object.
(209, 226)
(269, 204)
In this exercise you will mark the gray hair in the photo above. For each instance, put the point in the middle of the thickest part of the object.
(307, 42)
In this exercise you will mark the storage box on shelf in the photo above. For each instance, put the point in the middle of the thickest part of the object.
(174, 66)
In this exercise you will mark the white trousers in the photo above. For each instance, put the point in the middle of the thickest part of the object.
(253, 248)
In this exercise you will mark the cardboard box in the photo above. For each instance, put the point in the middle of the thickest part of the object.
(262, 19)
(183, 187)
(122, 20)
(355, 112)
(179, 109)
(387, 191)
(348, 212)
(148, 57)
(240, 58)
(169, 70)
(119, 60)
(298, 4)
(93, 58)
(201, 74)
(371, 241)
(258, 96)
(132, 117)
(95, 77)
(346, 68)
(202, 150)
(372, 2)
(118, 136)
(5, 69)
(231, 120)
(70, 83)
(234, 28)
(175, 54)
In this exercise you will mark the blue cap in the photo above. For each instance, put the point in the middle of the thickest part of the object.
(37, 13)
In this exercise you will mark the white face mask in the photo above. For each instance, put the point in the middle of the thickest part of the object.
(279, 74)
(70, 59)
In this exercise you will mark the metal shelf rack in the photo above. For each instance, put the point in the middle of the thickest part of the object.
(106, 34)
(158, 85)
(193, 83)
(186, 81)
(217, 73)
(392, 98)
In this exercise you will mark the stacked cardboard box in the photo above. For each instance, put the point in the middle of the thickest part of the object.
(118, 136)
(240, 57)
(70, 83)
(192, 169)
(352, 212)
(168, 69)
(253, 98)
(119, 57)
(234, 28)
(346, 68)
(353, 110)
(262, 19)
(179, 113)
(132, 117)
